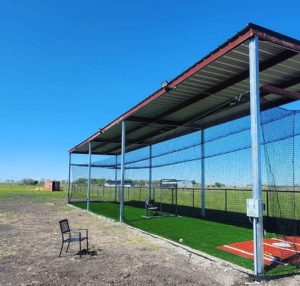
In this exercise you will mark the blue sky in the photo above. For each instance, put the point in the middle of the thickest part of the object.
(68, 68)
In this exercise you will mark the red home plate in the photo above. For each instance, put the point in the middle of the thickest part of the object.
(280, 251)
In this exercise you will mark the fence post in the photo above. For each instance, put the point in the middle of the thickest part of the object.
(176, 200)
(267, 202)
(140, 193)
(226, 200)
(193, 197)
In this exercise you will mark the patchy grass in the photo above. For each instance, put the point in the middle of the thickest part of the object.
(35, 192)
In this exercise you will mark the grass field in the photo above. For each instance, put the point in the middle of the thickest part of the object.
(8, 191)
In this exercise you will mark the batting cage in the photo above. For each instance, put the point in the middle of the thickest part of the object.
(216, 143)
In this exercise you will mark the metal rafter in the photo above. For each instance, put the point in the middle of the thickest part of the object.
(234, 80)
(264, 92)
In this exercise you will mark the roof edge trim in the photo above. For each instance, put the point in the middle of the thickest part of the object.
(265, 34)
(230, 44)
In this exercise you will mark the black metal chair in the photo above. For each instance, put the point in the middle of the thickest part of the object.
(72, 235)
(150, 208)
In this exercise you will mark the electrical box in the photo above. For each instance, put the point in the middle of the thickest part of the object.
(253, 207)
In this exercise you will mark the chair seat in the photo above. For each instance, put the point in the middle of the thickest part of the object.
(72, 239)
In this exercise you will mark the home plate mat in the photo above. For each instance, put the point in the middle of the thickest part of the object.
(280, 250)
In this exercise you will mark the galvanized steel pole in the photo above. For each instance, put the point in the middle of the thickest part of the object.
(122, 172)
(256, 160)
(116, 177)
(89, 179)
(202, 174)
(69, 177)
(150, 173)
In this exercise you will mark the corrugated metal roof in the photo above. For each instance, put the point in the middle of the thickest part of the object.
(200, 97)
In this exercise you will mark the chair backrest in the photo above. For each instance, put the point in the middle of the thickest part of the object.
(64, 226)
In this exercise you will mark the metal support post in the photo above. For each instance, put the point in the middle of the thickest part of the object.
(116, 177)
(88, 197)
(122, 172)
(256, 160)
(150, 173)
(69, 177)
(202, 174)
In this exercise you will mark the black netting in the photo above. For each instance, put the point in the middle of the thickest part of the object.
(227, 157)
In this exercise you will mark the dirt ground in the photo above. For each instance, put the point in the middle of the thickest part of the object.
(30, 242)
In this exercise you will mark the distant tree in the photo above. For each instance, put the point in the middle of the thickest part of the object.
(140, 183)
(194, 182)
(100, 181)
(81, 181)
(29, 181)
(218, 185)
(143, 183)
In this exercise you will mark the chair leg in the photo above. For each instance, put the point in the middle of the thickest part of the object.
(62, 245)
(87, 241)
(68, 246)
(80, 245)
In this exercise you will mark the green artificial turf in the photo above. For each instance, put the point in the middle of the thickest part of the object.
(200, 234)
(203, 235)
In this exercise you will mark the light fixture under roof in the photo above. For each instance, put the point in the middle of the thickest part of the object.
(164, 83)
